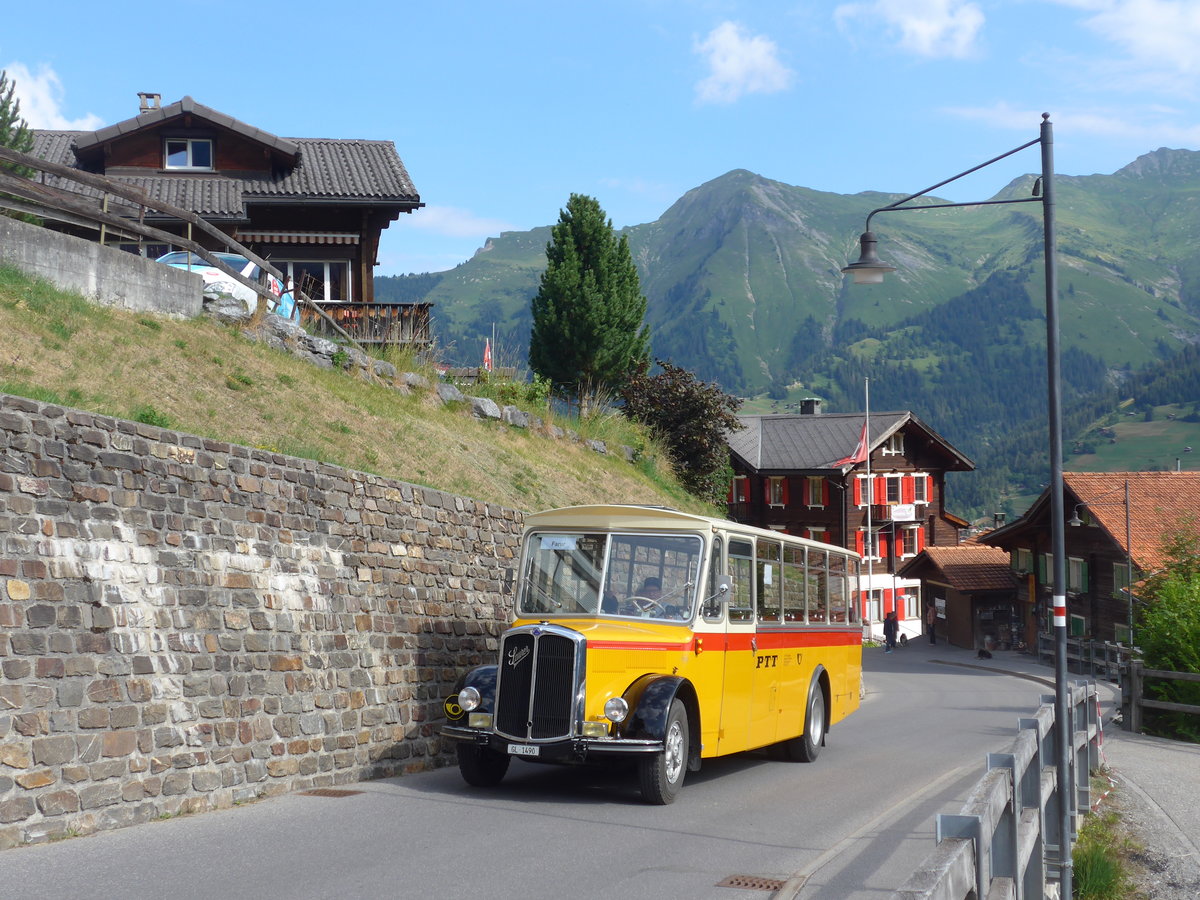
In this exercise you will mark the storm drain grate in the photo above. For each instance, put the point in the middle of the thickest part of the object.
(752, 883)
(329, 792)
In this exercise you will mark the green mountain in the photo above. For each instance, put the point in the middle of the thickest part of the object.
(743, 280)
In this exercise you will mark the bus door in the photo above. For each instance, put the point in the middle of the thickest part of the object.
(768, 648)
(740, 647)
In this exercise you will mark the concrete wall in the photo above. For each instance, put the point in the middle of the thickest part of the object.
(102, 274)
(185, 623)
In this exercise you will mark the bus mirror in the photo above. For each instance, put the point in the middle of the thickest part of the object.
(712, 605)
(510, 576)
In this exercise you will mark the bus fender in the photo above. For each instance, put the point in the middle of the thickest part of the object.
(483, 679)
(650, 699)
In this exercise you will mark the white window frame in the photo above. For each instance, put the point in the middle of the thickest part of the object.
(286, 267)
(775, 486)
(875, 606)
(920, 487)
(1022, 560)
(816, 491)
(894, 445)
(1121, 575)
(909, 533)
(866, 493)
(912, 602)
(817, 534)
(1076, 568)
(189, 166)
(871, 545)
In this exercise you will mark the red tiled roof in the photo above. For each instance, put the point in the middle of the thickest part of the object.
(972, 567)
(1159, 504)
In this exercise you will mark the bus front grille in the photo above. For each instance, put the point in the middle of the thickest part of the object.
(536, 690)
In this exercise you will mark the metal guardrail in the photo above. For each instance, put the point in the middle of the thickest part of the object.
(1005, 842)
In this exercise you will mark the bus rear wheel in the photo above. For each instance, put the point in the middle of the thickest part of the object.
(807, 747)
(662, 773)
(481, 767)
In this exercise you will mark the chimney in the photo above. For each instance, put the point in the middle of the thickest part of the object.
(810, 406)
(148, 102)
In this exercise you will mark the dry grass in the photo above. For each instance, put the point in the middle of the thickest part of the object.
(201, 377)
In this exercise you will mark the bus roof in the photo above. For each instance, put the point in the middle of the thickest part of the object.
(628, 516)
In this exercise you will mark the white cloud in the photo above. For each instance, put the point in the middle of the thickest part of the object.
(41, 97)
(739, 63)
(454, 222)
(1159, 33)
(930, 28)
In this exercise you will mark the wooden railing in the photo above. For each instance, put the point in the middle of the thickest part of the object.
(1005, 842)
(1133, 694)
(377, 323)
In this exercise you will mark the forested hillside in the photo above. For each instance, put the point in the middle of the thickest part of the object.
(743, 280)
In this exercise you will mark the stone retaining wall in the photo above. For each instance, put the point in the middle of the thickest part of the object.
(186, 624)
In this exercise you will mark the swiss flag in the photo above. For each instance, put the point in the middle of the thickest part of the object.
(487, 354)
(860, 450)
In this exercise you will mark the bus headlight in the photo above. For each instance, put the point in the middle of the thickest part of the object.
(616, 709)
(469, 699)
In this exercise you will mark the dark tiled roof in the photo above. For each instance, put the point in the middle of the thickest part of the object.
(328, 169)
(971, 567)
(187, 105)
(818, 441)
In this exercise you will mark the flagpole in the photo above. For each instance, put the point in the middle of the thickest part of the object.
(869, 544)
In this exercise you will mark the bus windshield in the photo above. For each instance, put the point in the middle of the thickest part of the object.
(611, 574)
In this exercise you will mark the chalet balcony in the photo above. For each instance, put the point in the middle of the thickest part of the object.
(387, 324)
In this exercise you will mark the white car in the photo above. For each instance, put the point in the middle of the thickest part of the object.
(217, 282)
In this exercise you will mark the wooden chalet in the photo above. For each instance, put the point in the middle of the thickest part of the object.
(1111, 543)
(878, 491)
(313, 207)
(974, 593)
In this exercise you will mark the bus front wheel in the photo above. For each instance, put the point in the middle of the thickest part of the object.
(481, 767)
(662, 773)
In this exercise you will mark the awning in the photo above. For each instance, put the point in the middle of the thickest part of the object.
(298, 237)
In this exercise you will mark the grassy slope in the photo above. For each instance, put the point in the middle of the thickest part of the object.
(200, 377)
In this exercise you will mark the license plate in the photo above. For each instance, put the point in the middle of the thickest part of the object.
(522, 750)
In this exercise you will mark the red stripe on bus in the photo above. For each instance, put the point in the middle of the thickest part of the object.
(774, 640)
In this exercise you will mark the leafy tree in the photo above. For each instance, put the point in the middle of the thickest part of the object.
(1169, 633)
(587, 333)
(14, 134)
(691, 418)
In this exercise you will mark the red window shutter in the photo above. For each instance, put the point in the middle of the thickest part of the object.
(908, 489)
(825, 493)
(879, 495)
(785, 492)
(858, 491)
(732, 482)
(805, 499)
(920, 539)
(766, 490)
(860, 543)
(928, 488)
(883, 547)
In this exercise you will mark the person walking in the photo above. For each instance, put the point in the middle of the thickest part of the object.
(890, 626)
(931, 623)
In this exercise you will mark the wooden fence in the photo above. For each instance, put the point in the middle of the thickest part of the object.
(1133, 694)
(1005, 842)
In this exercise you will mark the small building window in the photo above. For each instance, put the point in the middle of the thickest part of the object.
(188, 153)
(1077, 580)
(817, 491)
(1022, 561)
(920, 489)
(894, 445)
(777, 492)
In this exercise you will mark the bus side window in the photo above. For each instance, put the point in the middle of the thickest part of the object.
(769, 581)
(793, 584)
(837, 589)
(818, 586)
(741, 567)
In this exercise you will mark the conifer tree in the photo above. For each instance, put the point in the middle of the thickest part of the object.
(14, 134)
(588, 333)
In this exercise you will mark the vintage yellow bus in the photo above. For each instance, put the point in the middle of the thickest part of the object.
(665, 637)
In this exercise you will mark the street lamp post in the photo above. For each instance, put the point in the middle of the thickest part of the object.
(869, 269)
(1075, 522)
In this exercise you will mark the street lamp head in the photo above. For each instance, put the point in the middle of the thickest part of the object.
(868, 268)
(1075, 521)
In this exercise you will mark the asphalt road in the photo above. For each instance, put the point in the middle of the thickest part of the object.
(854, 824)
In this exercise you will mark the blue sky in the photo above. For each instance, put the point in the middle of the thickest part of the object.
(501, 110)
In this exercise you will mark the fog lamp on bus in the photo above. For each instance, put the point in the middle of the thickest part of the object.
(468, 698)
(595, 729)
(480, 720)
(616, 709)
